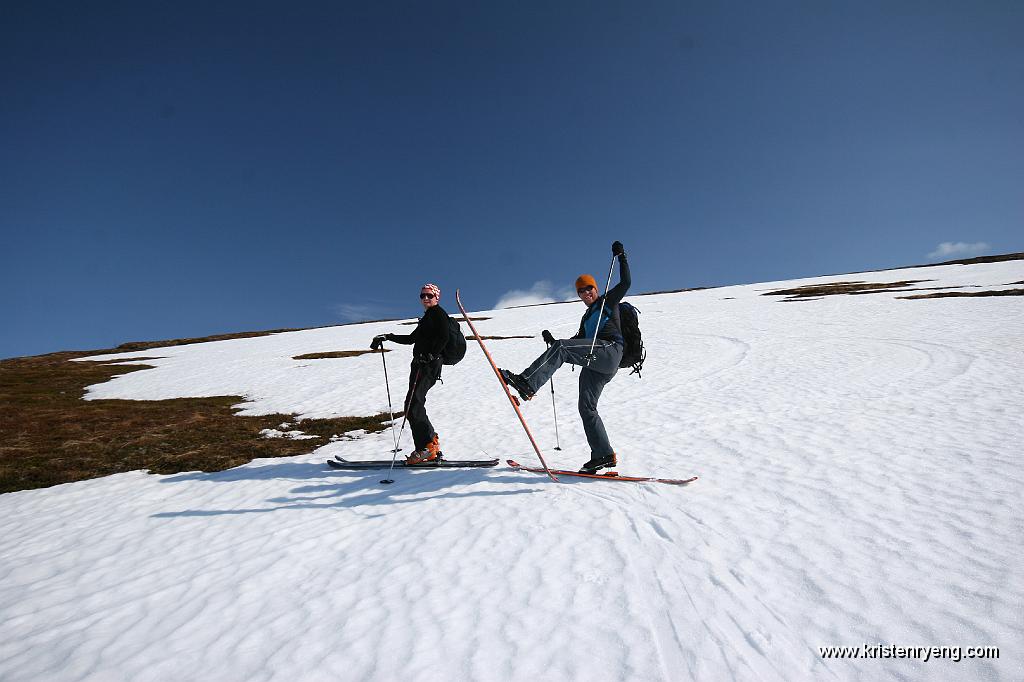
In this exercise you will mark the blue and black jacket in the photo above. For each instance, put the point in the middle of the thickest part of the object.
(610, 328)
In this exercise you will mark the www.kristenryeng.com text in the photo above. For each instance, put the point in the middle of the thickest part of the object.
(921, 653)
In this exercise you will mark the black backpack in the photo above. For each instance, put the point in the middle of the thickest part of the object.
(633, 351)
(455, 349)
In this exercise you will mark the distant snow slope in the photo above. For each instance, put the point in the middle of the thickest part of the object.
(860, 483)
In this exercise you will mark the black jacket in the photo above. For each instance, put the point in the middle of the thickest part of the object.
(430, 335)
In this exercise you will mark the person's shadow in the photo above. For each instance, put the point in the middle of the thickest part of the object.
(355, 488)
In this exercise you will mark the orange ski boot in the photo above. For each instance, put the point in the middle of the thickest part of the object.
(434, 448)
(431, 452)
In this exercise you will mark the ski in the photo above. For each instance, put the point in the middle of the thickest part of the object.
(339, 463)
(511, 398)
(609, 476)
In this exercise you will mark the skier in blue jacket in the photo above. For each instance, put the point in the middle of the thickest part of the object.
(598, 366)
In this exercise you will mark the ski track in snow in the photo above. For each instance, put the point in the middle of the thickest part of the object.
(859, 484)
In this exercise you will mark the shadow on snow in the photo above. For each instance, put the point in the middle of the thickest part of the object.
(354, 488)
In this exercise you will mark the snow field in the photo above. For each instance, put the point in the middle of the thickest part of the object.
(860, 483)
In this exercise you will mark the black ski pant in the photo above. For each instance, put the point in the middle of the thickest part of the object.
(421, 379)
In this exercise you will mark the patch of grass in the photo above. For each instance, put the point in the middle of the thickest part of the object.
(51, 435)
(537, 305)
(842, 288)
(965, 286)
(645, 293)
(146, 345)
(673, 291)
(956, 294)
(1001, 258)
(335, 354)
(457, 318)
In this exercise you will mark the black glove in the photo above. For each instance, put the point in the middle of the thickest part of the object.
(617, 249)
(548, 339)
(377, 342)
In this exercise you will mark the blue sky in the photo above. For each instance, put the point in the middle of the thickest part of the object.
(184, 169)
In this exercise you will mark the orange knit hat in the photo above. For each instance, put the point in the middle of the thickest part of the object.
(585, 281)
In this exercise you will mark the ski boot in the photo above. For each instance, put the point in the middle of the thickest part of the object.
(519, 383)
(421, 456)
(434, 448)
(595, 463)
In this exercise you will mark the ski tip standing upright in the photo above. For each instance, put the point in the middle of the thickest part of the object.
(497, 373)
(596, 347)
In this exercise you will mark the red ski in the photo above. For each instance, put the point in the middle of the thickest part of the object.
(608, 476)
(511, 398)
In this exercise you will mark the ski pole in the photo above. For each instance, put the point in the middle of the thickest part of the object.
(558, 445)
(391, 411)
(597, 327)
(405, 417)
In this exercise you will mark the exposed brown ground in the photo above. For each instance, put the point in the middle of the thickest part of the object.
(147, 345)
(457, 318)
(842, 288)
(814, 292)
(51, 435)
(1000, 258)
(673, 291)
(954, 294)
(335, 354)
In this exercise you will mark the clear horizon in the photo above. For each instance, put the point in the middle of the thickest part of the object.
(190, 170)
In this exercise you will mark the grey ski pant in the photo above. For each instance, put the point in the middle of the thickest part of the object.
(592, 381)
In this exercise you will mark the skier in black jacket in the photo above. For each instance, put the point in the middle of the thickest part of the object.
(428, 341)
(599, 366)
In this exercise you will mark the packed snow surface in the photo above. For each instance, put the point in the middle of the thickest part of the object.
(860, 484)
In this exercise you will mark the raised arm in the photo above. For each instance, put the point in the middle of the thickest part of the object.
(616, 293)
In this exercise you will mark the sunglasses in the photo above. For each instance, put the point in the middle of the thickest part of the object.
(584, 289)
(427, 296)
